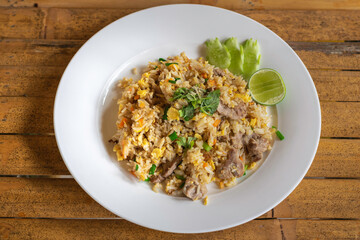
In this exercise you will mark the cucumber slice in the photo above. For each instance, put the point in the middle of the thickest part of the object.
(217, 54)
(251, 58)
(237, 55)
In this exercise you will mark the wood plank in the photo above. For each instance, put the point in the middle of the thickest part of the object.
(34, 115)
(320, 229)
(78, 24)
(340, 119)
(29, 81)
(39, 155)
(264, 4)
(22, 23)
(58, 53)
(337, 158)
(26, 115)
(120, 229)
(347, 82)
(50, 197)
(325, 198)
(30, 155)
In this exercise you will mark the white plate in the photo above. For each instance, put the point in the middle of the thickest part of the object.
(85, 113)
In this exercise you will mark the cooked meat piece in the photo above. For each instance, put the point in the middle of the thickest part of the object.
(193, 189)
(219, 72)
(167, 169)
(235, 113)
(256, 146)
(233, 166)
(237, 140)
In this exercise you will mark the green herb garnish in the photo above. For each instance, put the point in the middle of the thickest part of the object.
(134, 159)
(210, 103)
(177, 79)
(187, 143)
(206, 147)
(168, 64)
(162, 60)
(206, 79)
(155, 67)
(146, 180)
(187, 112)
(137, 167)
(152, 169)
(171, 81)
(246, 167)
(173, 136)
(182, 185)
(166, 109)
(180, 177)
(279, 134)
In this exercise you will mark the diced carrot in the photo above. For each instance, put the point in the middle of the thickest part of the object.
(204, 75)
(211, 82)
(136, 97)
(122, 123)
(252, 103)
(141, 122)
(133, 173)
(217, 122)
(130, 89)
(214, 141)
(205, 164)
(241, 158)
(132, 108)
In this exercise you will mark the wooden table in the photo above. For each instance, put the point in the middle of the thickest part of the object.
(39, 199)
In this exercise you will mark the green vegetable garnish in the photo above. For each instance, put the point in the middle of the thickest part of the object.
(168, 64)
(237, 55)
(134, 159)
(173, 136)
(251, 58)
(162, 60)
(152, 169)
(166, 109)
(206, 79)
(206, 147)
(279, 134)
(171, 81)
(179, 177)
(187, 112)
(137, 167)
(177, 79)
(155, 67)
(210, 103)
(146, 180)
(246, 167)
(182, 185)
(187, 143)
(217, 54)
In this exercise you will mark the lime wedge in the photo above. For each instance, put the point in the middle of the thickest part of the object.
(267, 87)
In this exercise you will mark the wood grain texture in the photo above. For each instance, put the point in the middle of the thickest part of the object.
(340, 119)
(79, 24)
(246, 4)
(39, 155)
(29, 81)
(121, 229)
(336, 85)
(26, 115)
(50, 198)
(34, 115)
(30, 155)
(325, 198)
(57, 53)
(22, 23)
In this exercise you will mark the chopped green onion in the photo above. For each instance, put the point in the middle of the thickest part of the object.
(137, 167)
(180, 177)
(280, 136)
(206, 147)
(171, 81)
(182, 185)
(155, 67)
(162, 60)
(168, 64)
(148, 179)
(246, 167)
(134, 159)
(177, 79)
(164, 117)
(173, 136)
(152, 169)
(206, 79)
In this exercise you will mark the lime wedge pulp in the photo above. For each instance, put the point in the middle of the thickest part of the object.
(267, 87)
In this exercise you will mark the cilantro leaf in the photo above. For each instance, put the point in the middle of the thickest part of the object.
(210, 103)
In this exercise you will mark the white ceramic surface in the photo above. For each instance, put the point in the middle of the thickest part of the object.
(85, 113)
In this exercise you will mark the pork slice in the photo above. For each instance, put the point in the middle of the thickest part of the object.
(256, 146)
(237, 140)
(232, 167)
(235, 113)
(219, 72)
(193, 189)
